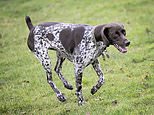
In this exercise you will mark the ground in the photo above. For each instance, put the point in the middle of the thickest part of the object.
(129, 78)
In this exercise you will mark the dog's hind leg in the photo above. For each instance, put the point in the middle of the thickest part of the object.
(42, 55)
(58, 68)
(99, 72)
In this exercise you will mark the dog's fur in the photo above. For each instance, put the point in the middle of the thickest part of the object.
(81, 44)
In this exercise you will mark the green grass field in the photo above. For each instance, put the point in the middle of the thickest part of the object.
(129, 86)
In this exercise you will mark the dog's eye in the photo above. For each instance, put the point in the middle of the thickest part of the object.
(123, 32)
(117, 33)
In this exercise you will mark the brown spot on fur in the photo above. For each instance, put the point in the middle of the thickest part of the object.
(50, 36)
(70, 39)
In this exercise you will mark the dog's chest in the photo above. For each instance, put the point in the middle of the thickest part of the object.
(88, 50)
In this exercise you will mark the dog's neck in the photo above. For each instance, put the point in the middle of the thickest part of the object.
(99, 37)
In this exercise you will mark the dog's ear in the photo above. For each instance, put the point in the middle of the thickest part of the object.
(105, 33)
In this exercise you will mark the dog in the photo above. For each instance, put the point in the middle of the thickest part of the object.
(79, 43)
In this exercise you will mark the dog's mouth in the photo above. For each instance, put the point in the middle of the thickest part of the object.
(120, 48)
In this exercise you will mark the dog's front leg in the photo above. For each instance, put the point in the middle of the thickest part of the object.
(78, 79)
(99, 72)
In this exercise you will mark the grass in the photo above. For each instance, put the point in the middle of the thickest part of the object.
(129, 87)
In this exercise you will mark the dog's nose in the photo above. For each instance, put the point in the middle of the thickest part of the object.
(127, 43)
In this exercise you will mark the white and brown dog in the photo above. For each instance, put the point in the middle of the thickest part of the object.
(79, 43)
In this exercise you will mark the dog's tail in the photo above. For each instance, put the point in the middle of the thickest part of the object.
(29, 22)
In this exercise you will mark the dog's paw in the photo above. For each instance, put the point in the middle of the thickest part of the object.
(61, 97)
(68, 86)
(81, 102)
(80, 98)
(94, 90)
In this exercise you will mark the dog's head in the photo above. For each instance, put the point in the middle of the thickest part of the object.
(113, 34)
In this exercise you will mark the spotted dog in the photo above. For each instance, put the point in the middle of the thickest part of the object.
(80, 44)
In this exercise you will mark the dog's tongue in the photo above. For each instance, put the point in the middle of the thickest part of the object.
(121, 49)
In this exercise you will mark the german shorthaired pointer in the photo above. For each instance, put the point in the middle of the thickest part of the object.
(81, 44)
